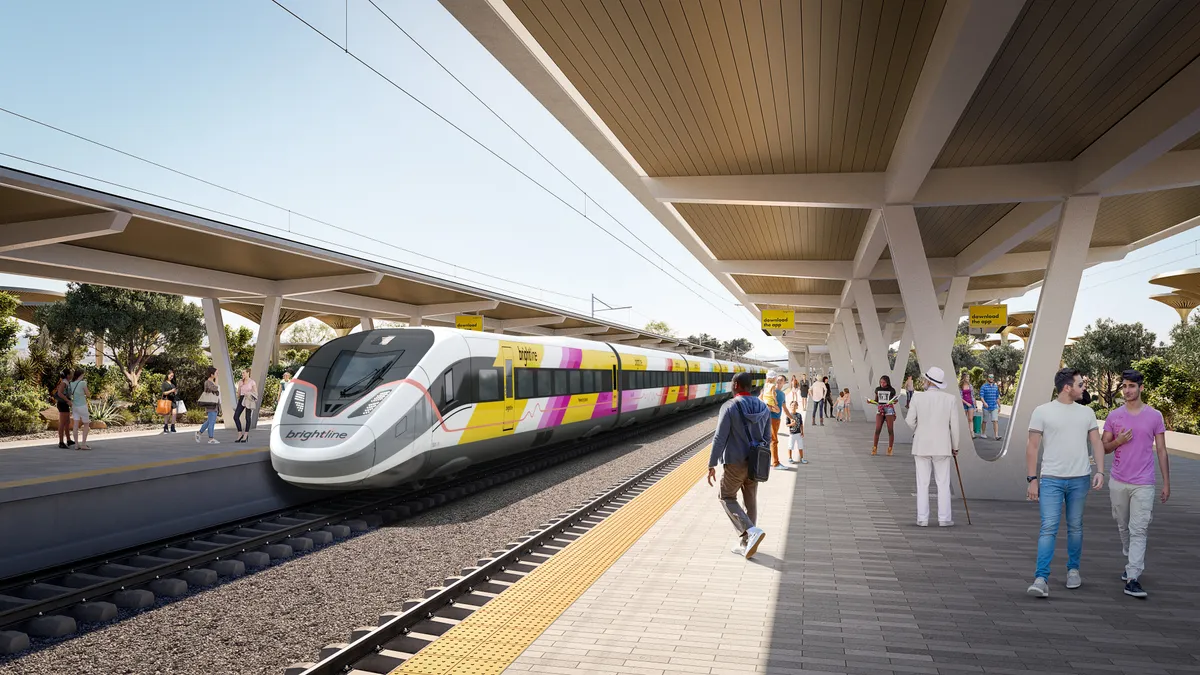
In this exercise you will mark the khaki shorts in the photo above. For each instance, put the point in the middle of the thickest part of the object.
(80, 412)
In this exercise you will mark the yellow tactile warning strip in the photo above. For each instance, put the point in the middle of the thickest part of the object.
(488, 641)
(123, 469)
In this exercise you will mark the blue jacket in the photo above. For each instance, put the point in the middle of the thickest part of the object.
(730, 444)
(990, 394)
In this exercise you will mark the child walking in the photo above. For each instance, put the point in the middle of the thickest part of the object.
(796, 428)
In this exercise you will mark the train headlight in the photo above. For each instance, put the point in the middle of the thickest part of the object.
(372, 404)
(299, 400)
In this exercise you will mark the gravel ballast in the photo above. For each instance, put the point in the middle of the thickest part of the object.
(285, 614)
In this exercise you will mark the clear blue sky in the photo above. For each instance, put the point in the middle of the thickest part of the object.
(240, 93)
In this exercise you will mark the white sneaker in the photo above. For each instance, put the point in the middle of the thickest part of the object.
(213, 441)
(739, 550)
(1073, 579)
(754, 538)
(945, 523)
(922, 523)
(197, 436)
(1039, 588)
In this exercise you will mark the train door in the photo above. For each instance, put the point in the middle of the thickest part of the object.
(510, 403)
(616, 394)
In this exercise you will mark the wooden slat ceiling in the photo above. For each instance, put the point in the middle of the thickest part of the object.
(1067, 72)
(1128, 218)
(158, 241)
(401, 290)
(885, 287)
(724, 87)
(1011, 280)
(761, 284)
(947, 230)
(734, 232)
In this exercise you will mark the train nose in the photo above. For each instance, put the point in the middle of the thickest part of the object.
(323, 453)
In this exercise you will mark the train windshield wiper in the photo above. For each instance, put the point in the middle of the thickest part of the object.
(366, 381)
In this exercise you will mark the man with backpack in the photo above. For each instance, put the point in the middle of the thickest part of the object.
(740, 444)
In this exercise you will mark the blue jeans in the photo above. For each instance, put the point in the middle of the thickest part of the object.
(210, 424)
(1052, 494)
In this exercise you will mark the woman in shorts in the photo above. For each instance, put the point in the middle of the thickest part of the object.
(78, 391)
(885, 413)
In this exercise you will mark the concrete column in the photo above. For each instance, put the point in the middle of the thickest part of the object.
(414, 321)
(921, 311)
(268, 325)
(797, 364)
(367, 323)
(858, 377)
(955, 303)
(99, 347)
(219, 349)
(843, 366)
(1043, 354)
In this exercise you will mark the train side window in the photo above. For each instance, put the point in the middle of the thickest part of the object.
(525, 386)
(489, 384)
(589, 382)
(606, 380)
(545, 383)
(575, 381)
(448, 387)
(560, 383)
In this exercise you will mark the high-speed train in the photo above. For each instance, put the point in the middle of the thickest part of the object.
(393, 406)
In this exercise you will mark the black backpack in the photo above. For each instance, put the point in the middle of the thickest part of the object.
(758, 459)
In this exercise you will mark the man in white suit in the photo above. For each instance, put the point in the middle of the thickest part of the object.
(934, 416)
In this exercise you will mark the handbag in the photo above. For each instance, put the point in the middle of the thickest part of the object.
(208, 398)
(180, 407)
(758, 460)
(163, 407)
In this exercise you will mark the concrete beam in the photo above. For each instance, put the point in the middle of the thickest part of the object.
(32, 233)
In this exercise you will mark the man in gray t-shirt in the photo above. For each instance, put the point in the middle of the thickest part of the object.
(1064, 429)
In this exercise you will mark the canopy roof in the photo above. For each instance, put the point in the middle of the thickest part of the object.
(56, 230)
(766, 135)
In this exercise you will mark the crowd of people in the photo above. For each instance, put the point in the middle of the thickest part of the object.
(71, 396)
(1064, 430)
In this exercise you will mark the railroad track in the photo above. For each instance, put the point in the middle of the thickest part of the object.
(399, 635)
(56, 603)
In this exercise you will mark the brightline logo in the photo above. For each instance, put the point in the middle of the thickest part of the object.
(308, 435)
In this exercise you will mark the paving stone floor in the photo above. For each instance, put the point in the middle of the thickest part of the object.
(846, 583)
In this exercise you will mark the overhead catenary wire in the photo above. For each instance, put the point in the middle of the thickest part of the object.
(290, 232)
(507, 162)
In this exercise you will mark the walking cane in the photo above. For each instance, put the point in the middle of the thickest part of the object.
(960, 489)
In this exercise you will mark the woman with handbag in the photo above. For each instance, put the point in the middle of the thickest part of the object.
(166, 405)
(62, 401)
(210, 401)
(247, 400)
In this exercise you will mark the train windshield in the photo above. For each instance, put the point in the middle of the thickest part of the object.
(354, 373)
(347, 368)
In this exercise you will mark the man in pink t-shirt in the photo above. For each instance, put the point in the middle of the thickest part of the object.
(1135, 433)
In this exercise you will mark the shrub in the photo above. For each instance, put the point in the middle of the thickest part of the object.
(195, 416)
(21, 404)
(271, 390)
(108, 410)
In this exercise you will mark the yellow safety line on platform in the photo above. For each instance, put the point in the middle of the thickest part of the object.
(488, 641)
(122, 469)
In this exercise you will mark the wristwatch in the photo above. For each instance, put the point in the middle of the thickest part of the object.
(1030, 479)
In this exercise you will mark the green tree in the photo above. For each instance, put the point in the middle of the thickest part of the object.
(706, 340)
(133, 325)
(1003, 361)
(1185, 346)
(308, 332)
(738, 346)
(1106, 349)
(961, 353)
(241, 347)
(659, 328)
(9, 329)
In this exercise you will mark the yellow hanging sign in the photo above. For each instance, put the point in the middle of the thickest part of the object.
(989, 317)
(463, 322)
(778, 319)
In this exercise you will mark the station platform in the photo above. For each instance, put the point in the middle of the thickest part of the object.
(844, 582)
(64, 505)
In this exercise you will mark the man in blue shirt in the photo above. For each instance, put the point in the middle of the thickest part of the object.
(990, 394)
(742, 421)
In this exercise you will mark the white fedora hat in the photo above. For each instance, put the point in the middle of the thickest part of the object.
(936, 377)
